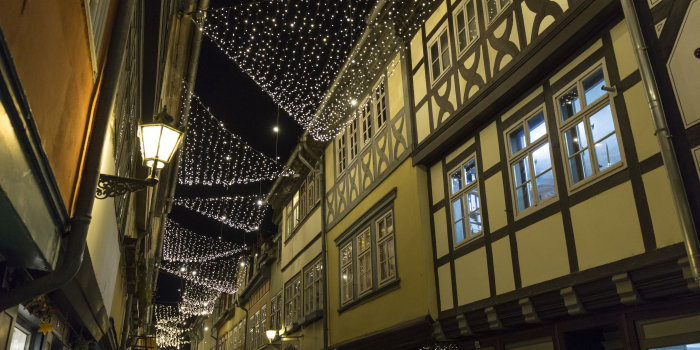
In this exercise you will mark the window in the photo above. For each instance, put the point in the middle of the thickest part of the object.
(20, 339)
(530, 161)
(97, 11)
(385, 248)
(276, 312)
(588, 127)
(292, 299)
(257, 327)
(340, 152)
(439, 50)
(238, 336)
(346, 290)
(366, 122)
(494, 8)
(313, 287)
(467, 28)
(375, 236)
(352, 138)
(380, 103)
(364, 261)
(464, 196)
(302, 203)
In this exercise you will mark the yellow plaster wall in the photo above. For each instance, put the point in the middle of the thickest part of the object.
(416, 49)
(542, 252)
(437, 183)
(496, 201)
(305, 233)
(624, 51)
(490, 154)
(422, 123)
(641, 122)
(420, 89)
(576, 61)
(117, 309)
(472, 277)
(454, 154)
(664, 217)
(445, 283)
(303, 259)
(435, 18)
(531, 96)
(329, 160)
(441, 235)
(395, 86)
(606, 227)
(414, 262)
(503, 266)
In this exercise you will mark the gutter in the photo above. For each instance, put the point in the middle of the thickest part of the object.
(680, 200)
(72, 250)
(323, 257)
(245, 328)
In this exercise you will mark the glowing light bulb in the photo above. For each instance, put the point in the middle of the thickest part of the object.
(276, 129)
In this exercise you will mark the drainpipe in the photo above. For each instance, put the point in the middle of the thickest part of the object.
(245, 328)
(668, 155)
(127, 317)
(75, 240)
(323, 253)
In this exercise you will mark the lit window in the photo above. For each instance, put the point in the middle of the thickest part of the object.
(366, 122)
(292, 300)
(380, 103)
(352, 139)
(313, 287)
(467, 28)
(276, 312)
(340, 152)
(464, 196)
(439, 50)
(530, 161)
(495, 7)
(346, 292)
(588, 126)
(376, 237)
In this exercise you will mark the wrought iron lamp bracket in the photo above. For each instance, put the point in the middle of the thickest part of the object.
(114, 186)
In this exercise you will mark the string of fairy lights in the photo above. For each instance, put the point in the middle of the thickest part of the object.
(302, 54)
(241, 212)
(213, 155)
(183, 245)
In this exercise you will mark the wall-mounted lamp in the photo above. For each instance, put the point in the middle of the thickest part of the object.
(158, 141)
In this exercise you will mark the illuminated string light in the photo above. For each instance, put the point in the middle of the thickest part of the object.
(241, 212)
(171, 326)
(213, 155)
(197, 300)
(219, 275)
(183, 245)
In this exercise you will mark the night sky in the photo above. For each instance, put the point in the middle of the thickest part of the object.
(247, 111)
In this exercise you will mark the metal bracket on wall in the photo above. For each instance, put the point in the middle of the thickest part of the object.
(114, 186)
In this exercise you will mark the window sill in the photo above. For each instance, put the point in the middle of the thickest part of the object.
(534, 208)
(292, 328)
(371, 295)
(312, 317)
(613, 169)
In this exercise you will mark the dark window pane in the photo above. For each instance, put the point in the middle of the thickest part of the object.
(517, 140)
(607, 152)
(537, 127)
(470, 172)
(592, 86)
(492, 9)
(580, 167)
(545, 185)
(569, 104)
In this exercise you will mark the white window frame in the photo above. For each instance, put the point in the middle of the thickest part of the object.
(390, 247)
(347, 290)
(341, 161)
(366, 120)
(380, 103)
(462, 9)
(292, 301)
(353, 139)
(461, 194)
(313, 286)
(96, 12)
(501, 10)
(436, 40)
(527, 152)
(276, 311)
(588, 110)
(364, 259)
(348, 282)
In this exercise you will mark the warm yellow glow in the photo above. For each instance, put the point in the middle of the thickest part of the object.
(158, 143)
(271, 334)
